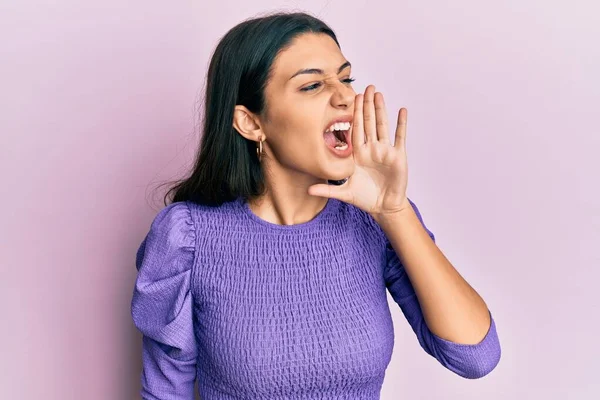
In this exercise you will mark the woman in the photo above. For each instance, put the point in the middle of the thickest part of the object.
(266, 276)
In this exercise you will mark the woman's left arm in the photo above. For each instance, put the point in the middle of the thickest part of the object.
(458, 339)
(452, 309)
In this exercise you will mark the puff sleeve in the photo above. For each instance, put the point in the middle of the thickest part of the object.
(467, 360)
(161, 306)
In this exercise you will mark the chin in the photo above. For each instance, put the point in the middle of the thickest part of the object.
(341, 172)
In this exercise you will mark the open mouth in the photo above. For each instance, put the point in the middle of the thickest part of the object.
(338, 137)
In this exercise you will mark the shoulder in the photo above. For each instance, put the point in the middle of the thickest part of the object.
(172, 218)
(174, 223)
(188, 216)
(362, 220)
(211, 218)
(171, 234)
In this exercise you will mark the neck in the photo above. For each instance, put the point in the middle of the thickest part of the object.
(286, 200)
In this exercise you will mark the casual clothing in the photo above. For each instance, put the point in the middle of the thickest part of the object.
(256, 310)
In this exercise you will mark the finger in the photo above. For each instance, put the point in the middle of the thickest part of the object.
(400, 139)
(331, 191)
(369, 115)
(357, 129)
(381, 118)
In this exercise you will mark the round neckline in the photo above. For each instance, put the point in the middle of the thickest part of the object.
(303, 225)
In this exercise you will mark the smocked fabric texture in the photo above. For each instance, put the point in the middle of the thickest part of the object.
(255, 310)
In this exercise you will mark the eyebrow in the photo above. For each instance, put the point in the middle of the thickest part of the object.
(320, 71)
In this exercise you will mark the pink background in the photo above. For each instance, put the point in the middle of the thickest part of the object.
(98, 107)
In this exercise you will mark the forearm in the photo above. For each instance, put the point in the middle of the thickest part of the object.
(452, 309)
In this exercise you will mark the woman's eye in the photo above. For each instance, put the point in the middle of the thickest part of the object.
(311, 87)
(316, 85)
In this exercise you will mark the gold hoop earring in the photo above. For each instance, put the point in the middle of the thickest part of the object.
(259, 149)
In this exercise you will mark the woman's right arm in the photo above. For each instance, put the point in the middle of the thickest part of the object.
(161, 306)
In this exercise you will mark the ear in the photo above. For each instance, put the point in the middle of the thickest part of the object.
(247, 125)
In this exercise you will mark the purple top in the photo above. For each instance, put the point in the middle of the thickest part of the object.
(255, 310)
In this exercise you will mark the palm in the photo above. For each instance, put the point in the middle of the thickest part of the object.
(375, 184)
(379, 182)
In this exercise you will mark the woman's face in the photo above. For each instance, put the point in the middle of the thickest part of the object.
(302, 102)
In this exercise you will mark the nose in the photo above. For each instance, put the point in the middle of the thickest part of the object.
(343, 96)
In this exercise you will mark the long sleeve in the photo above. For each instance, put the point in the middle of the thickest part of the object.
(467, 360)
(161, 306)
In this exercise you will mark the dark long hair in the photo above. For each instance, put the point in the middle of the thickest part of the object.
(226, 165)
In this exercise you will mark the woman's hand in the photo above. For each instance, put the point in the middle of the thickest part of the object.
(378, 185)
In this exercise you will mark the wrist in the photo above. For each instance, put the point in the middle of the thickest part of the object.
(392, 216)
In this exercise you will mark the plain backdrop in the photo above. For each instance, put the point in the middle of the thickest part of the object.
(98, 107)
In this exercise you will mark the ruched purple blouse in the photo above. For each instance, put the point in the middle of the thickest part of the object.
(255, 310)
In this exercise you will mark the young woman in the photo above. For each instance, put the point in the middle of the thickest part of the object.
(266, 276)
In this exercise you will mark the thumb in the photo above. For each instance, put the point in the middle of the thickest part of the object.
(331, 191)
